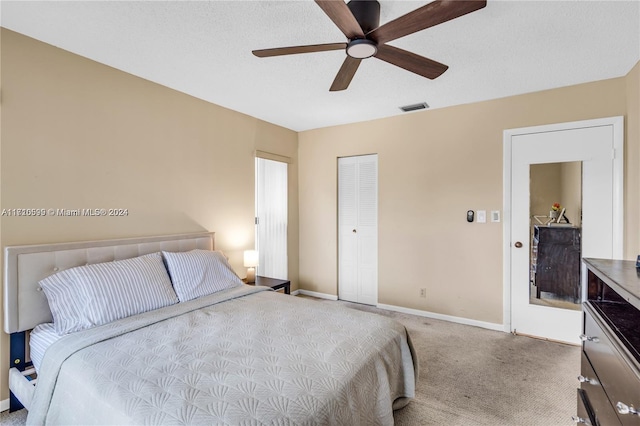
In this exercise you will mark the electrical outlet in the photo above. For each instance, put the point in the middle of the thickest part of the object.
(423, 292)
(481, 216)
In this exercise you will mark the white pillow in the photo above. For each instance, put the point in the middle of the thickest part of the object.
(197, 273)
(92, 295)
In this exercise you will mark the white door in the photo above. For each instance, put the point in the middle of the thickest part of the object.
(271, 218)
(598, 145)
(358, 229)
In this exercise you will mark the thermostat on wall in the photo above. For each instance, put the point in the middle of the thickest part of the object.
(470, 215)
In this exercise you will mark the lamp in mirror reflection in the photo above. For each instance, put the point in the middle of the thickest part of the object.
(250, 262)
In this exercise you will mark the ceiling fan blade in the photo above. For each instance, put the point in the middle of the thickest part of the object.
(431, 14)
(278, 51)
(339, 13)
(410, 61)
(345, 74)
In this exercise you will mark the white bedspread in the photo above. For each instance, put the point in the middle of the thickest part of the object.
(240, 356)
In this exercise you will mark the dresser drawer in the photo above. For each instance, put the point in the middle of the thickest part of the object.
(557, 235)
(602, 409)
(620, 381)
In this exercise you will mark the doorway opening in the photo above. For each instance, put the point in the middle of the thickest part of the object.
(271, 218)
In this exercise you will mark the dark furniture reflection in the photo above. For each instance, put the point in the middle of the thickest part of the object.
(609, 392)
(274, 283)
(555, 260)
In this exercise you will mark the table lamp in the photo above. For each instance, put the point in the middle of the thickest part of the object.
(250, 262)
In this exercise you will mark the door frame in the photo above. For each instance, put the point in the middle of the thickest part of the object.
(617, 154)
(260, 156)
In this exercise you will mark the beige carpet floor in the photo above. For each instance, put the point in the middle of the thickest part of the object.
(473, 376)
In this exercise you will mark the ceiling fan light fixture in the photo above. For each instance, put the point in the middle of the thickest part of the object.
(361, 48)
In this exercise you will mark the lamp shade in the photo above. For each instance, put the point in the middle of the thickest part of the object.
(250, 258)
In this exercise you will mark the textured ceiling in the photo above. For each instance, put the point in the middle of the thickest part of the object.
(203, 48)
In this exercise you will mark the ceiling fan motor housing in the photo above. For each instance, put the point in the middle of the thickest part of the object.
(367, 13)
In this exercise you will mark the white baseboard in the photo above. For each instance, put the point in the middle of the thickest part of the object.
(450, 318)
(4, 405)
(418, 312)
(316, 294)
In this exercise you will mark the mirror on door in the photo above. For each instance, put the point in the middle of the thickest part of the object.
(555, 218)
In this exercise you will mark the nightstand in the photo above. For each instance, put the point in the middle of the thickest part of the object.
(274, 283)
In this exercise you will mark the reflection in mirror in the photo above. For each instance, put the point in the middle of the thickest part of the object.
(555, 211)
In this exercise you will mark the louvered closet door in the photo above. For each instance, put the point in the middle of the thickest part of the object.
(358, 229)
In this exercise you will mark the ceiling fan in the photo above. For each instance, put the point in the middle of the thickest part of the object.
(359, 20)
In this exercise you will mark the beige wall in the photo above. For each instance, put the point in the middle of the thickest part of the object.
(4, 355)
(545, 188)
(78, 134)
(632, 165)
(433, 167)
(556, 183)
(571, 196)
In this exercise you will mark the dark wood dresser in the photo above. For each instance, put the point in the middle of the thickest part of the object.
(555, 260)
(609, 392)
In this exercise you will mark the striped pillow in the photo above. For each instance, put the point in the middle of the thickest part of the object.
(197, 273)
(92, 295)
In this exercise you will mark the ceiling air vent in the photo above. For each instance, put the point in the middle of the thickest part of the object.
(414, 107)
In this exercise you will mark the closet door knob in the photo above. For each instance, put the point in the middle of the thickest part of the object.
(518, 244)
(354, 231)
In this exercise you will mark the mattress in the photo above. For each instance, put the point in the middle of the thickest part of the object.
(241, 356)
(40, 339)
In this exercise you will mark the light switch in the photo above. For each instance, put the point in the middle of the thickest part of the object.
(495, 215)
(481, 216)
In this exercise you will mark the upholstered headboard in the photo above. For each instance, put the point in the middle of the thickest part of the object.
(25, 304)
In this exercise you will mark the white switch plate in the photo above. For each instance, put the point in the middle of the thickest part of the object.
(495, 215)
(481, 216)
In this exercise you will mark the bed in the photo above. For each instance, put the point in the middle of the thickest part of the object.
(228, 354)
